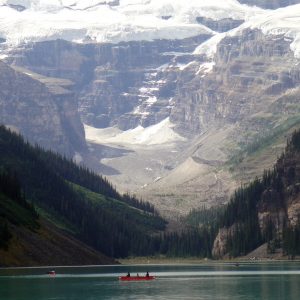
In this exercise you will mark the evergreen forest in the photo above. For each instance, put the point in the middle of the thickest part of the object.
(89, 206)
(41, 184)
(258, 213)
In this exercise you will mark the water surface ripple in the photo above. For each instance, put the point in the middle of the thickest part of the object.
(216, 281)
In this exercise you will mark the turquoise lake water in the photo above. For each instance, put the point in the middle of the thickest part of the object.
(215, 281)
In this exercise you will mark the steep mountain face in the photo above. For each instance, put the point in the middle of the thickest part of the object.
(42, 109)
(243, 83)
(244, 99)
(197, 104)
(29, 248)
(270, 4)
(84, 205)
(266, 211)
(27, 239)
(116, 84)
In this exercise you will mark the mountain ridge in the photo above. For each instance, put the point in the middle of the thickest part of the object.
(212, 95)
(265, 211)
(83, 202)
(28, 239)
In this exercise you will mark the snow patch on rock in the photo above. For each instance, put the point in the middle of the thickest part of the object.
(158, 134)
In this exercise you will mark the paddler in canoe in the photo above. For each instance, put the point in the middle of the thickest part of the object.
(128, 277)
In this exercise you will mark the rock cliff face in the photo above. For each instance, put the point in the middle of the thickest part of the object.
(121, 84)
(270, 4)
(189, 114)
(247, 93)
(40, 108)
(244, 82)
(277, 205)
(141, 83)
(245, 99)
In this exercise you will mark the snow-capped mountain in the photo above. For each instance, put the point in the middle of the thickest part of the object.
(176, 89)
(96, 21)
(24, 21)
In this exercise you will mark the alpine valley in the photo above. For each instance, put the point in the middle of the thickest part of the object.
(176, 102)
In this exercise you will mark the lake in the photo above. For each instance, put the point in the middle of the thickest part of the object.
(211, 281)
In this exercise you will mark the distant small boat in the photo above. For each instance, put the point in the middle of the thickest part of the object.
(136, 278)
(51, 273)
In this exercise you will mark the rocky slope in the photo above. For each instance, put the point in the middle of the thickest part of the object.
(244, 100)
(29, 239)
(197, 104)
(268, 209)
(48, 246)
(84, 205)
(271, 4)
(43, 109)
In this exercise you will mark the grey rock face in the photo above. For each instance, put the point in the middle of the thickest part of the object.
(122, 84)
(251, 93)
(245, 81)
(252, 89)
(44, 113)
(270, 4)
(17, 7)
(220, 25)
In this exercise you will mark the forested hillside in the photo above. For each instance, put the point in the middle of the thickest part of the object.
(265, 211)
(27, 239)
(86, 206)
(14, 208)
(85, 203)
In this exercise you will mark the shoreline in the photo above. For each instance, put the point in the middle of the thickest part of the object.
(169, 261)
(196, 260)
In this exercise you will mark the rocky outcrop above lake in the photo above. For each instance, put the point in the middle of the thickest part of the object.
(270, 4)
(42, 109)
(272, 203)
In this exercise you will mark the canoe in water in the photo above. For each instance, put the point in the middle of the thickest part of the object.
(136, 278)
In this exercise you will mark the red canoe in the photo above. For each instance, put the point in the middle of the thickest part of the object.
(136, 278)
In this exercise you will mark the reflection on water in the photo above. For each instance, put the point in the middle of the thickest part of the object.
(206, 281)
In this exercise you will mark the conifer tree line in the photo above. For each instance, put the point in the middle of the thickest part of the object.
(83, 176)
(273, 191)
(5, 234)
(10, 188)
(110, 224)
(192, 242)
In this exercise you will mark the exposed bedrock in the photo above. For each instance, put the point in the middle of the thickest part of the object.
(44, 112)
(252, 73)
(270, 4)
(115, 84)
(220, 105)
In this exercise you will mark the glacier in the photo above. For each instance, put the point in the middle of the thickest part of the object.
(111, 21)
(98, 21)
(131, 20)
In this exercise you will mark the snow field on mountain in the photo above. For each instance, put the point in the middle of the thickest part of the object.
(93, 21)
(96, 21)
(284, 21)
(161, 133)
